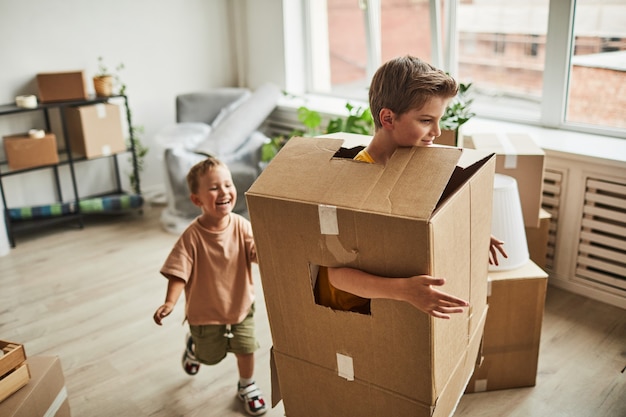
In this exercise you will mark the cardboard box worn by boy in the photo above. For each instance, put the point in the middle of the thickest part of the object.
(428, 211)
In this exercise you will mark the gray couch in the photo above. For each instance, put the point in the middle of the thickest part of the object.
(223, 122)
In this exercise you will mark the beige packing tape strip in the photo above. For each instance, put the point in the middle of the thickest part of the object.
(57, 403)
(328, 219)
(510, 156)
(345, 367)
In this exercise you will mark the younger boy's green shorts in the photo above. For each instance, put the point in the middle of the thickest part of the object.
(212, 345)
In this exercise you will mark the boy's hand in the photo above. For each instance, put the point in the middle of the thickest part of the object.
(421, 294)
(162, 312)
(495, 246)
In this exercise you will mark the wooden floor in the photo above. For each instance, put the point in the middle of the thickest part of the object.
(88, 297)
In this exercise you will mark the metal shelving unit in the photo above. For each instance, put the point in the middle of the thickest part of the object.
(66, 157)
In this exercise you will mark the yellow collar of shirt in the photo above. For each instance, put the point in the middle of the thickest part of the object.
(364, 157)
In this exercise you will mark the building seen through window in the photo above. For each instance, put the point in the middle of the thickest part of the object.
(500, 48)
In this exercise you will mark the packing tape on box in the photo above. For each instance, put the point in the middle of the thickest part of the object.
(101, 111)
(27, 102)
(328, 219)
(36, 134)
(57, 403)
(345, 367)
(510, 154)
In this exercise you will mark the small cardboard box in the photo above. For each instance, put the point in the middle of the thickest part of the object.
(428, 211)
(537, 239)
(44, 395)
(95, 130)
(61, 86)
(14, 371)
(520, 157)
(512, 331)
(23, 152)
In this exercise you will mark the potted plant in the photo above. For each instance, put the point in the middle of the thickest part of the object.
(105, 81)
(359, 121)
(457, 113)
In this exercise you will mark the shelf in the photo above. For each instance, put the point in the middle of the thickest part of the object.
(115, 201)
(11, 108)
(63, 160)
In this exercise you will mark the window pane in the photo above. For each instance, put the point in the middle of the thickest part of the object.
(347, 44)
(405, 29)
(502, 52)
(597, 89)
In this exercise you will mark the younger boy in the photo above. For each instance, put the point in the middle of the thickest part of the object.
(407, 98)
(211, 262)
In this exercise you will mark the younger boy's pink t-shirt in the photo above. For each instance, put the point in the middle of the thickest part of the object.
(217, 270)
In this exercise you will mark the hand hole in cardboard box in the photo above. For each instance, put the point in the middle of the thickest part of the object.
(327, 296)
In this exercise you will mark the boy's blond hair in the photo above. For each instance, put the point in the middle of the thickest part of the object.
(406, 83)
(199, 169)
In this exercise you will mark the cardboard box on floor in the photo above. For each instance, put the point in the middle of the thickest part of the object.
(512, 331)
(23, 152)
(95, 130)
(426, 212)
(44, 395)
(537, 239)
(520, 157)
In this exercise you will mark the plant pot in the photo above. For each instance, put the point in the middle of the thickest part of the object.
(448, 137)
(103, 85)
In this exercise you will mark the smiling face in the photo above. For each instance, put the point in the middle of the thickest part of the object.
(216, 194)
(418, 127)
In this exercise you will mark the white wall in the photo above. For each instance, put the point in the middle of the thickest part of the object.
(167, 46)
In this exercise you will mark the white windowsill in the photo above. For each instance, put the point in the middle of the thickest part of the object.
(573, 144)
(576, 145)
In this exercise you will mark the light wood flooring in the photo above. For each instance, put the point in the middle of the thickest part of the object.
(88, 297)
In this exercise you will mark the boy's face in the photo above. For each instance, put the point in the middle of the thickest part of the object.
(216, 194)
(419, 127)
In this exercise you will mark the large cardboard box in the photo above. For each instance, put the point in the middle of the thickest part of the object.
(537, 239)
(44, 395)
(426, 212)
(23, 152)
(513, 330)
(95, 130)
(322, 393)
(61, 86)
(14, 371)
(520, 157)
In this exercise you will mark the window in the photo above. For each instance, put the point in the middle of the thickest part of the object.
(544, 62)
(597, 84)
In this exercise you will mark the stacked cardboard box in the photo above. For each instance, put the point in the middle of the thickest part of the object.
(518, 156)
(537, 239)
(44, 395)
(512, 331)
(95, 130)
(426, 212)
(14, 371)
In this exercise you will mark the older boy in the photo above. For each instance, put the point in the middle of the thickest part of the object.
(407, 97)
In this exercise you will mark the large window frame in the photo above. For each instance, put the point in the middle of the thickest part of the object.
(559, 41)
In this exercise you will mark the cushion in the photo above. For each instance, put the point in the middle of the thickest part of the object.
(234, 130)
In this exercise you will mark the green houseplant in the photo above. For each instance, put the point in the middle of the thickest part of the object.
(105, 81)
(134, 140)
(359, 120)
(457, 113)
